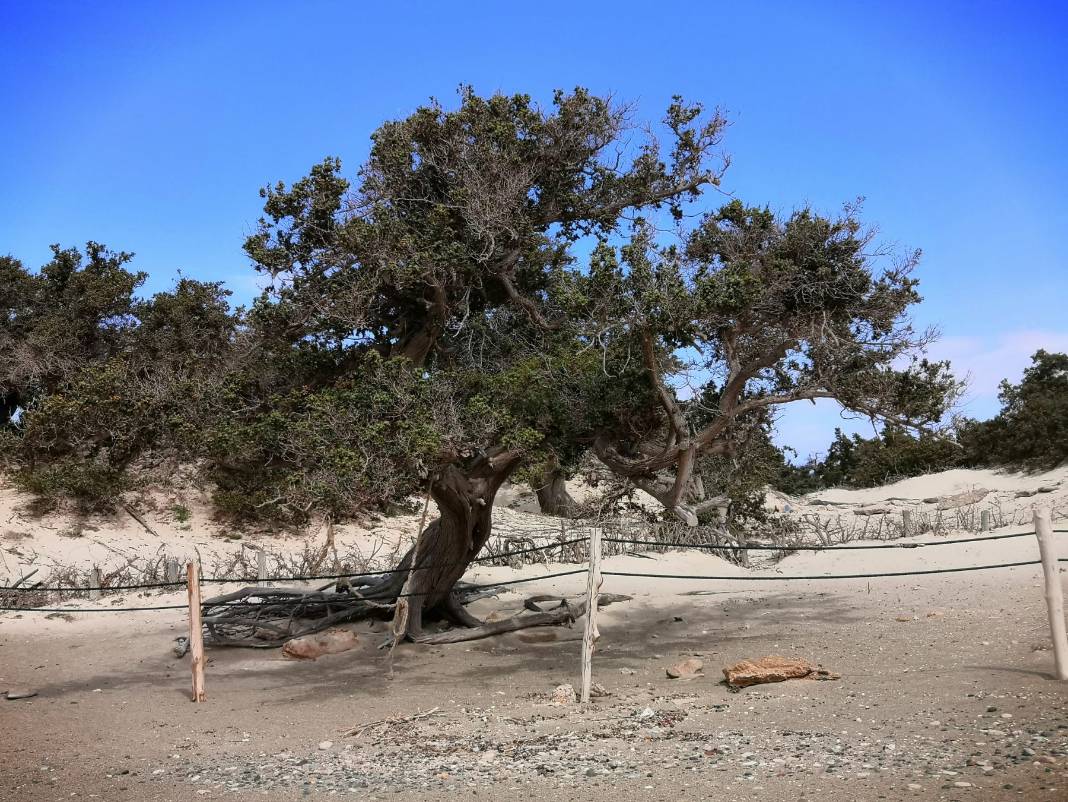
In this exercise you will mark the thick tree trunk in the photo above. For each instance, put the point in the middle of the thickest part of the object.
(447, 546)
(424, 582)
(553, 498)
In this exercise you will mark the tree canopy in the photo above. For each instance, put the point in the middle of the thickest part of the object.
(499, 289)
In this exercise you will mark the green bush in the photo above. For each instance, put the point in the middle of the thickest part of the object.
(92, 486)
(1031, 431)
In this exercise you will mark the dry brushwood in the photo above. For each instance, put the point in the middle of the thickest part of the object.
(268, 617)
(384, 724)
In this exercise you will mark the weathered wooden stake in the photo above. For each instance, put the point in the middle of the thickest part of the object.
(906, 522)
(171, 567)
(196, 633)
(591, 634)
(984, 521)
(261, 567)
(1047, 549)
(95, 578)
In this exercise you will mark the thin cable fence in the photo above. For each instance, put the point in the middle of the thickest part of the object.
(468, 588)
(573, 551)
(820, 577)
(577, 571)
(856, 547)
(38, 588)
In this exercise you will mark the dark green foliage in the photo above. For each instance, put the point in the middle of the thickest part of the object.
(866, 462)
(341, 450)
(73, 311)
(896, 454)
(1031, 431)
(744, 475)
(428, 317)
(100, 377)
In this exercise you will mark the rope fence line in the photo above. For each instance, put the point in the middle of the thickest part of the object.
(296, 578)
(781, 578)
(858, 547)
(250, 604)
(558, 544)
(518, 552)
(490, 586)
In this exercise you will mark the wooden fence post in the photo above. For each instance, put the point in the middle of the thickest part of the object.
(170, 569)
(1047, 548)
(591, 633)
(984, 521)
(261, 568)
(906, 522)
(95, 578)
(196, 631)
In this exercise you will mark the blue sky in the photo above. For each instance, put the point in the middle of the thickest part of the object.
(151, 126)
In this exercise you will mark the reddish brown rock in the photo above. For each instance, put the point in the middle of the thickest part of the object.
(329, 641)
(768, 669)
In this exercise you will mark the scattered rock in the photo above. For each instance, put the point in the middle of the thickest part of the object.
(181, 647)
(20, 693)
(326, 745)
(872, 511)
(563, 694)
(599, 690)
(330, 641)
(686, 669)
(767, 669)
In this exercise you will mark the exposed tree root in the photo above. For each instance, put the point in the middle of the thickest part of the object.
(266, 618)
(565, 613)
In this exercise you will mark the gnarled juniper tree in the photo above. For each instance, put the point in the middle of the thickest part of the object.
(437, 309)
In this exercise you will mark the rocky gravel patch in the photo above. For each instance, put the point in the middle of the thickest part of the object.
(635, 740)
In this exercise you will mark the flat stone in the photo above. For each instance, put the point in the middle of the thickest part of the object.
(330, 641)
(685, 669)
(20, 693)
(767, 669)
